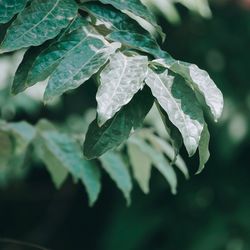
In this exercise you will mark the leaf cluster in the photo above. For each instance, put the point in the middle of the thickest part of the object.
(67, 42)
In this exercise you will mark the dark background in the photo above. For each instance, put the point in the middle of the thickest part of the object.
(210, 212)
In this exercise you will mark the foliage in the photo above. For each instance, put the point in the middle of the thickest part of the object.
(68, 43)
(169, 11)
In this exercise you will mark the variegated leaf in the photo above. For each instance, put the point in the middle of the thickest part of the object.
(140, 42)
(181, 105)
(79, 65)
(120, 80)
(47, 61)
(201, 81)
(112, 17)
(137, 9)
(116, 130)
(37, 23)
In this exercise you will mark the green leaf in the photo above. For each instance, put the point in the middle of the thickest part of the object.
(120, 80)
(20, 79)
(141, 164)
(84, 60)
(139, 107)
(113, 17)
(181, 105)
(15, 166)
(159, 161)
(169, 151)
(204, 148)
(134, 6)
(61, 151)
(23, 133)
(8, 8)
(57, 172)
(201, 82)
(140, 42)
(47, 61)
(115, 131)
(39, 22)
(138, 9)
(114, 165)
(6, 147)
(23, 130)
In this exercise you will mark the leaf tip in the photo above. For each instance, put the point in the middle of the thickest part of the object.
(128, 200)
(201, 168)
(174, 191)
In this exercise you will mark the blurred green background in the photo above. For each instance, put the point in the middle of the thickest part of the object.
(210, 212)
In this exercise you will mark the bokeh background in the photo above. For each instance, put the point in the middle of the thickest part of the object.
(210, 212)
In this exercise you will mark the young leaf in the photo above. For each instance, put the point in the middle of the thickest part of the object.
(114, 165)
(80, 64)
(202, 82)
(141, 164)
(204, 148)
(115, 131)
(116, 19)
(9, 8)
(159, 161)
(181, 105)
(120, 80)
(37, 23)
(61, 150)
(47, 61)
